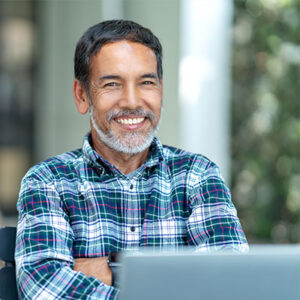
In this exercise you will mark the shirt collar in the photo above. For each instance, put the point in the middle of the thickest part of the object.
(88, 152)
(155, 156)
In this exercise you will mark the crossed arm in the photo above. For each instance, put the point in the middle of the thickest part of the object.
(45, 265)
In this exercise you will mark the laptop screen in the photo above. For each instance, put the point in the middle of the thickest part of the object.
(266, 272)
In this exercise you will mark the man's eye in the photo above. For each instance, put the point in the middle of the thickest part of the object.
(111, 84)
(148, 82)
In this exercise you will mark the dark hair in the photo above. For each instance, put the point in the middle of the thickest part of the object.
(109, 31)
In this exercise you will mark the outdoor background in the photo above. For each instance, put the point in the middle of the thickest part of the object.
(38, 118)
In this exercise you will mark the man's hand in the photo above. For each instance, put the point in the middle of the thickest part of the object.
(94, 266)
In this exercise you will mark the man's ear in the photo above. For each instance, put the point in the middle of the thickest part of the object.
(80, 97)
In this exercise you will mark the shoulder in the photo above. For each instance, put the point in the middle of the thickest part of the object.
(196, 167)
(185, 159)
(54, 167)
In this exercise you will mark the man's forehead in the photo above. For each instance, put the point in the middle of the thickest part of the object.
(124, 44)
(124, 56)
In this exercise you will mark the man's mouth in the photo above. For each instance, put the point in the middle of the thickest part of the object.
(130, 121)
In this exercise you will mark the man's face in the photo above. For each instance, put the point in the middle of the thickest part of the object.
(126, 96)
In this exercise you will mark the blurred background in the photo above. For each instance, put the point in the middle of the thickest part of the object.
(231, 92)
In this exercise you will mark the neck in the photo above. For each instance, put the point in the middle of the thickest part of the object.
(126, 163)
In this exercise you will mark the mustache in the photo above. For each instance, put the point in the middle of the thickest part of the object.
(130, 112)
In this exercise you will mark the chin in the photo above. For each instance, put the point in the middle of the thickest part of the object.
(133, 143)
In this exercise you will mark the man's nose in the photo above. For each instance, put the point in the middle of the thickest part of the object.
(131, 97)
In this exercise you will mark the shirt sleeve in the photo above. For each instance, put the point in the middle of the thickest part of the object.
(44, 260)
(213, 223)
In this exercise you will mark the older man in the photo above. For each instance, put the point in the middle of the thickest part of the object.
(123, 189)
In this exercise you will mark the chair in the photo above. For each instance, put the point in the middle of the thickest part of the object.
(8, 286)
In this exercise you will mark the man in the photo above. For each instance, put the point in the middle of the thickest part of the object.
(123, 190)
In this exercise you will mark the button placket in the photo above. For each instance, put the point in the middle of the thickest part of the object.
(132, 227)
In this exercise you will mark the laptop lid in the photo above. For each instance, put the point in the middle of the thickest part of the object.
(266, 273)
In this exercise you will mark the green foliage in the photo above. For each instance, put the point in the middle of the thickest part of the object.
(266, 119)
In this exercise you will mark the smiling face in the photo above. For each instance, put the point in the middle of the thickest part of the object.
(126, 96)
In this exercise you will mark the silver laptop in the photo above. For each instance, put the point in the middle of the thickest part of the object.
(265, 273)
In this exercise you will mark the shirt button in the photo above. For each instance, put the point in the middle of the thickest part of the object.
(131, 186)
(132, 229)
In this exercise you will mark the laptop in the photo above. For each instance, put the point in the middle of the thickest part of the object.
(265, 273)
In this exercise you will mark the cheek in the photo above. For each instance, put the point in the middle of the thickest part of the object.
(157, 106)
(103, 106)
(105, 100)
(99, 115)
(154, 100)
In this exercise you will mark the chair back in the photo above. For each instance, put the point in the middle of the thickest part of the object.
(8, 286)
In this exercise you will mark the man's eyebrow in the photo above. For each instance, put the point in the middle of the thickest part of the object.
(106, 77)
(150, 75)
(111, 76)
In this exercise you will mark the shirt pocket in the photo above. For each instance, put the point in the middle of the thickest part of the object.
(170, 232)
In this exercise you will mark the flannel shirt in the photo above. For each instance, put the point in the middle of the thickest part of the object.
(79, 205)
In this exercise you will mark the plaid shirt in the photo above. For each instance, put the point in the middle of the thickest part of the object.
(79, 205)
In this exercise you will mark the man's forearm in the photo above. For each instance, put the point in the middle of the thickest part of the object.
(94, 266)
(56, 280)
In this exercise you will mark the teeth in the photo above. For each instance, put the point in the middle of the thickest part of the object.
(130, 121)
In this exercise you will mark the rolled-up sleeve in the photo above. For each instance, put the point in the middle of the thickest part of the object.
(213, 223)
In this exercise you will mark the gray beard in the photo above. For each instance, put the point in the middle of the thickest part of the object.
(131, 143)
